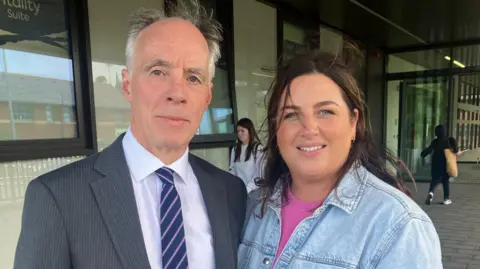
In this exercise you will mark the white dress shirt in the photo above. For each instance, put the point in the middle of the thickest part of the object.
(249, 170)
(147, 187)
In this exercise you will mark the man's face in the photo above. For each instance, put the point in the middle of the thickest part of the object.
(168, 85)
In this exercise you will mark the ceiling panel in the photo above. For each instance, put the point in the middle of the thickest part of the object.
(394, 23)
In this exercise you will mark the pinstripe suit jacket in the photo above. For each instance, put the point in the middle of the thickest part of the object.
(84, 215)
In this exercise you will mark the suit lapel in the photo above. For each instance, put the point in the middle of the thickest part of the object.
(116, 200)
(215, 196)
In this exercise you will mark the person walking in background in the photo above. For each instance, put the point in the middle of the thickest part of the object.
(145, 201)
(439, 163)
(327, 198)
(246, 157)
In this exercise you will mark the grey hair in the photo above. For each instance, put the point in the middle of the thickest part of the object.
(189, 10)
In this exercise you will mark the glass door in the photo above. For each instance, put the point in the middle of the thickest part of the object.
(424, 105)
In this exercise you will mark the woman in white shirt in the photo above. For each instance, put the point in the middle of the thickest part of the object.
(247, 155)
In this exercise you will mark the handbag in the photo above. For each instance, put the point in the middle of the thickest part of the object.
(452, 168)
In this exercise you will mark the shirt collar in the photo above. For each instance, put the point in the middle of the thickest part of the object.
(345, 196)
(350, 189)
(143, 163)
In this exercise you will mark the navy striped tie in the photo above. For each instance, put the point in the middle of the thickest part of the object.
(174, 249)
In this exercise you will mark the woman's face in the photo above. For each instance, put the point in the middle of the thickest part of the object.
(242, 134)
(316, 127)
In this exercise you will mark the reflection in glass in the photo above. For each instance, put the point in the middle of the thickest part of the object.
(467, 56)
(294, 41)
(424, 106)
(34, 98)
(111, 109)
(14, 179)
(36, 78)
(218, 118)
(220, 157)
(468, 107)
(418, 61)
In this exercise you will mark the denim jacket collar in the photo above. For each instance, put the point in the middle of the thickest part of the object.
(350, 189)
(346, 196)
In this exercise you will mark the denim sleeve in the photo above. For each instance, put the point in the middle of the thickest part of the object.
(414, 245)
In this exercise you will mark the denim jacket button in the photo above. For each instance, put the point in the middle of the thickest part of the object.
(266, 261)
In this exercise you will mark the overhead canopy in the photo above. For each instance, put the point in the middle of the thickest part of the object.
(393, 24)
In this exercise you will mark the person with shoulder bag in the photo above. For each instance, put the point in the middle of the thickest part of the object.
(444, 152)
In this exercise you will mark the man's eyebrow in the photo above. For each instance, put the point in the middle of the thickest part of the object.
(158, 62)
(196, 71)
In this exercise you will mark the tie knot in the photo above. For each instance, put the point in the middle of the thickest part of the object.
(165, 174)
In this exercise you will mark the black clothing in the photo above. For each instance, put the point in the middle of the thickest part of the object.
(438, 145)
(445, 181)
(439, 161)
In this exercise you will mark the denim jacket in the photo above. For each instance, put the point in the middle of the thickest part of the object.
(365, 224)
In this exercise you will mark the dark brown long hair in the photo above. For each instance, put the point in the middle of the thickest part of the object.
(253, 140)
(341, 69)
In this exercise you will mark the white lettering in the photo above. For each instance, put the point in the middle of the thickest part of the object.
(18, 15)
(37, 7)
(27, 5)
(17, 5)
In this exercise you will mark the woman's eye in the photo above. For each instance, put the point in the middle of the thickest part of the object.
(325, 112)
(291, 115)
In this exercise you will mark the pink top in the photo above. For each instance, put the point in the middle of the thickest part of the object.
(292, 213)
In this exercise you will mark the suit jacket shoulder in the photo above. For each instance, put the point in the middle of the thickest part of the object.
(70, 172)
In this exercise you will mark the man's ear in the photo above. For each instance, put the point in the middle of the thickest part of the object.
(209, 97)
(126, 85)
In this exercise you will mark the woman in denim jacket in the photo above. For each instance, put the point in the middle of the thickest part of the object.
(328, 199)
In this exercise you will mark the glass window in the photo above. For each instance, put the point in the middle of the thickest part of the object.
(478, 137)
(294, 41)
(466, 56)
(49, 113)
(418, 61)
(220, 157)
(255, 58)
(14, 178)
(468, 115)
(424, 106)
(35, 70)
(331, 40)
(67, 114)
(218, 118)
(22, 112)
(108, 60)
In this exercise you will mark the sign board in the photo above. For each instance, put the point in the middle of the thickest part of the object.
(31, 20)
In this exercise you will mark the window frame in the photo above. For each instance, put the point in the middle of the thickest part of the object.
(224, 13)
(76, 18)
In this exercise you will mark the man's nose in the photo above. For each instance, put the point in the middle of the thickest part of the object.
(177, 92)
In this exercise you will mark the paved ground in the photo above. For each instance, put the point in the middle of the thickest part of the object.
(458, 224)
(467, 173)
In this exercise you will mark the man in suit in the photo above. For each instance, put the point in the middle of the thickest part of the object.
(144, 202)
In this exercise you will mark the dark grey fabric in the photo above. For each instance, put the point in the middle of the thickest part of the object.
(84, 215)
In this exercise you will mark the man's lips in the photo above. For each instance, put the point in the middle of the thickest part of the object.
(174, 120)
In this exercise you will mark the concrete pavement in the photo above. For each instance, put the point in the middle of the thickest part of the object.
(458, 224)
